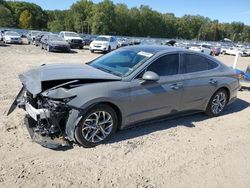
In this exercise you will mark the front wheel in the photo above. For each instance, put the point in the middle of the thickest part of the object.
(96, 126)
(217, 103)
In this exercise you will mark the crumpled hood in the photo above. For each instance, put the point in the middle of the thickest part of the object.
(32, 79)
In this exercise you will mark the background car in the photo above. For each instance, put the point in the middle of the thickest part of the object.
(206, 49)
(74, 40)
(38, 38)
(88, 103)
(104, 43)
(233, 51)
(12, 37)
(122, 42)
(87, 39)
(32, 35)
(1, 35)
(53, 42)
(216, 51)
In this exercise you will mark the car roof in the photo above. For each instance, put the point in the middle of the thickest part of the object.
(154, 48)
(67, 32)
(106, 36)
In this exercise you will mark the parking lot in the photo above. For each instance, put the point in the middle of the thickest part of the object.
(190, 151)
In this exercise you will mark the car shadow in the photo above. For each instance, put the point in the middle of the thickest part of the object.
(4, 45)
(63, 52)
(186, 120)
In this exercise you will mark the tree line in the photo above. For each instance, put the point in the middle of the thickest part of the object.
(105, 17)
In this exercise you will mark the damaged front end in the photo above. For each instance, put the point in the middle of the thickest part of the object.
(46, 117)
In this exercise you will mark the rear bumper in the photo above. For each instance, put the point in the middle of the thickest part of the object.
(45, 141)
(60, 48)
(233, 94)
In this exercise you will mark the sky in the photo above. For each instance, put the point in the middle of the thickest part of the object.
(222, 10)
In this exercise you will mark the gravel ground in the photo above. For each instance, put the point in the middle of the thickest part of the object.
(190, 151)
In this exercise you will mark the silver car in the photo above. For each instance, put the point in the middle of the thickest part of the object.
(12, 37)
(88, 103)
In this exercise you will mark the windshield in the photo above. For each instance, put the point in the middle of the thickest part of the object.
(11, 33)
(101, 39)
(121, 62)
(71, 34)
(55, 38)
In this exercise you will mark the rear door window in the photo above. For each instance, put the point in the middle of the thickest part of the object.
(197, 63)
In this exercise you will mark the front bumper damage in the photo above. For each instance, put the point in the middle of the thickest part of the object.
(46, 125)
(45, 141)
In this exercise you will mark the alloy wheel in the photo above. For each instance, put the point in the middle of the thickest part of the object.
(218, 102)
(97, 126)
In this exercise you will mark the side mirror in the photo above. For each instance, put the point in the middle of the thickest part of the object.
(150, 76)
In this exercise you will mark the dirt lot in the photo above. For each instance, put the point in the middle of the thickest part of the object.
(191, 151)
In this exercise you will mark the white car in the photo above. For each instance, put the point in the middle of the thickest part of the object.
(12, 37)
(233, 51)
(74, 40)
(122, 42)
(204, 48)
(104, 44)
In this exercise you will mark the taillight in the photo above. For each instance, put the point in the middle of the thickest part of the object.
(239, 76)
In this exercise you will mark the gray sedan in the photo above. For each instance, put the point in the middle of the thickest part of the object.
(88, 103)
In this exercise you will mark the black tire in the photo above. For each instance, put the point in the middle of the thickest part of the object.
(92, 51)
(209, 110)
(109, 49)
(78, 131)
(81, 47)
(41, 46)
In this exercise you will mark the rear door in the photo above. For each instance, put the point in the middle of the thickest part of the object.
(199, 81)
(152, 99)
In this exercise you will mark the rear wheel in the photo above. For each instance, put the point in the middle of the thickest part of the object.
(217, 103)
(96, 126)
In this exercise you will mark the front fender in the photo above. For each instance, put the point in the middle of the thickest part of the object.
(76, 114)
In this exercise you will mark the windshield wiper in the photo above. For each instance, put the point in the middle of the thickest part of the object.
(108, 71)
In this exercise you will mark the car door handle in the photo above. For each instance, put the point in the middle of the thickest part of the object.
(212, 81)
(176, 86)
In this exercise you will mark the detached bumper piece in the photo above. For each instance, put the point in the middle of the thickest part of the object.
(45, 141)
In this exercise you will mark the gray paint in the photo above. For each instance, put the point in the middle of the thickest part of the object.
(135, 99)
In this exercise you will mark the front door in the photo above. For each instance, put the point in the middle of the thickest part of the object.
(162, 97)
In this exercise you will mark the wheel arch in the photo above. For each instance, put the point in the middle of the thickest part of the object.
(116, 109)
(226, 89)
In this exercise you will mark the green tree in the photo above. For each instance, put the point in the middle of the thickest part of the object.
(80, 14)
(6, 16)
(39, 16)
(56, 20)
(25, 20)
(103, 18)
